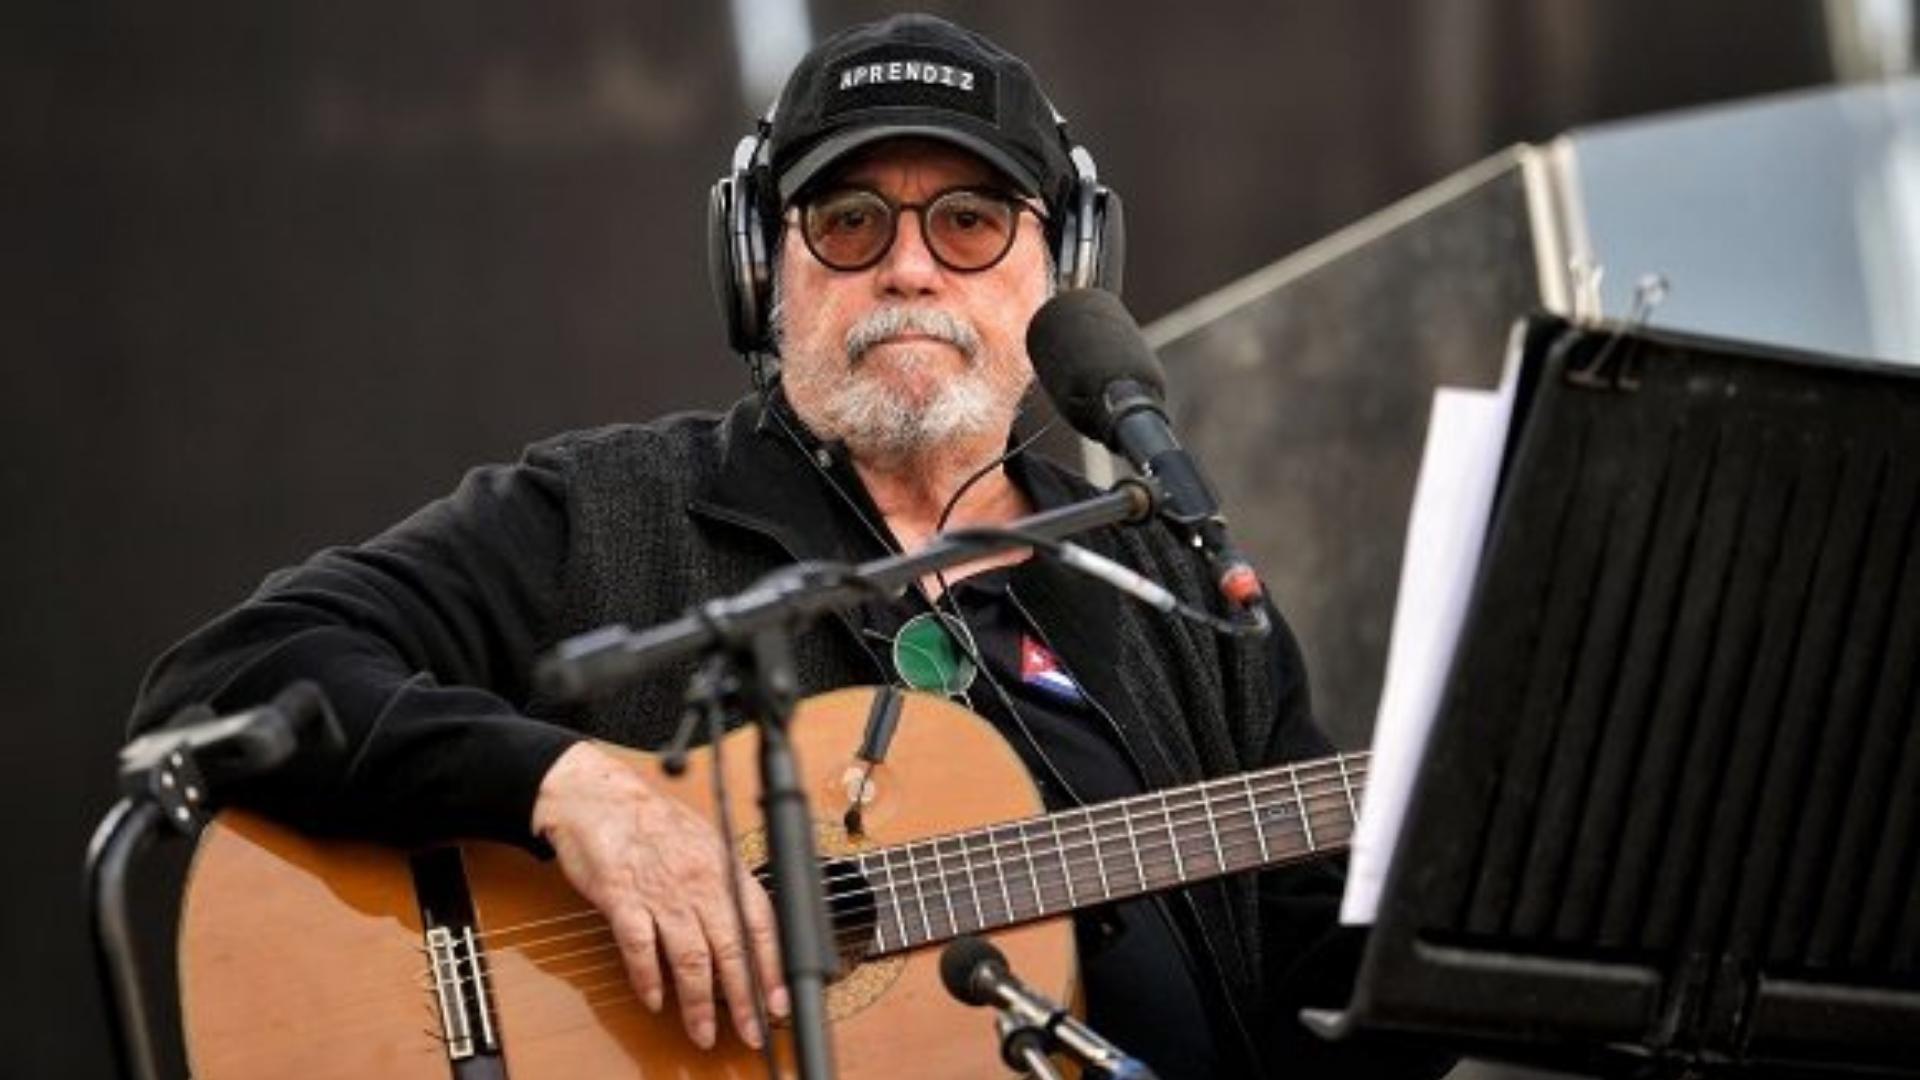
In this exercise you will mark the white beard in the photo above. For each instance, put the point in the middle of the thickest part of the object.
(854, 404)
(875, 419)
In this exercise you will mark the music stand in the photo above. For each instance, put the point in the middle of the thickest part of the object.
(1666, 819)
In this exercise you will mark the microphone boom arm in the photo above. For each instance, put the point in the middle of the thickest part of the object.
(603, 661)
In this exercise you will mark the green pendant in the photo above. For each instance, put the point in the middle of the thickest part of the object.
(928, 655)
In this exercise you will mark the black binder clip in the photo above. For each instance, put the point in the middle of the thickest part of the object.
(1614, 368)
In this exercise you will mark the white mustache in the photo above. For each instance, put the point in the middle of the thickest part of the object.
(896, 320)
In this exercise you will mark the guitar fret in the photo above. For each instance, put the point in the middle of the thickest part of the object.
(1133, 845)
(1213, 828)
(1033, 874)
(1179, 867)
(1000, 871)
(1253, 815)
(1193, 821)
(1099, 860)
(946, 889)
(929, 875)
(1066, 870)
(919, 897)
(1346, 783)
(1306, 821)
(893, 891)
(866, 877)
(871, 880)
(973, 885)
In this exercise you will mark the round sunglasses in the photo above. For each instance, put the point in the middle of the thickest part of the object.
(966, 229)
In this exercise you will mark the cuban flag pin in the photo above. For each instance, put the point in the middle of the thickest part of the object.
(1040, 669)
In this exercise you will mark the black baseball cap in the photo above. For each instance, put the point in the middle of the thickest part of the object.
(916, 75)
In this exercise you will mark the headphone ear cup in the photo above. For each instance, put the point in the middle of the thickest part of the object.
(1068, 266)
(755, 208)
(738, 266)
(723, 274)
(1092, 247)
(1110, 240)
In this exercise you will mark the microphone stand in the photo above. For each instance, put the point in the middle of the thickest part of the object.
(749, 637)
(602, 661)
(173, 777)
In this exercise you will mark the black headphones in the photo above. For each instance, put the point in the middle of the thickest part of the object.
(1087, 231)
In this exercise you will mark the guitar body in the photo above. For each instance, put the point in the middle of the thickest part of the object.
(302, 957)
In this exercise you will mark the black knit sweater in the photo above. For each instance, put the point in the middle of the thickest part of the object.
(424, 638)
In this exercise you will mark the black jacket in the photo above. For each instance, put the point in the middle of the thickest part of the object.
(424, 638)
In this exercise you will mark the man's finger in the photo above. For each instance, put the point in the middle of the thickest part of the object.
(691, 961)
(764, 940)
(633, 932)
(730, 963)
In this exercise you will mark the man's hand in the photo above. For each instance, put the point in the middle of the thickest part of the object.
(658, 873)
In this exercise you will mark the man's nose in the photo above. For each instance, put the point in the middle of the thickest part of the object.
(909, 268)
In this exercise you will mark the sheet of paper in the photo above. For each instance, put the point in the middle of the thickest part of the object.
(1452, 501)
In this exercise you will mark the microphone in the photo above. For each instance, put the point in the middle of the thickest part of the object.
(185, 765)
(1103, 377)
(976, 973)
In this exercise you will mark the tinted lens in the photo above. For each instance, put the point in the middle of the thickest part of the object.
(849, 229)
(966, 229)
(970, 230)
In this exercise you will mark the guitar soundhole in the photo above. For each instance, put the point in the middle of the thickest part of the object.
(852, 911)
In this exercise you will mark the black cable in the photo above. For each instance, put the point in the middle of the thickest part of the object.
(756, 979)
(970, 645)
(764, 386)
(1020, 447)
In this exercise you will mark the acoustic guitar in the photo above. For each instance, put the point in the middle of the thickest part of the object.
(312, 958)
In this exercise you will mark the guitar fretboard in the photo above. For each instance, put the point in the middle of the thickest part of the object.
(931, 890)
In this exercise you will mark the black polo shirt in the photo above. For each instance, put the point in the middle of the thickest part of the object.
(1140, 988)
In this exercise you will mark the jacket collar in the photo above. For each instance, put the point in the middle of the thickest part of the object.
(774, 480)
(777, 478)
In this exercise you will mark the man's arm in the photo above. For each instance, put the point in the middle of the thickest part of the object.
(423, 638)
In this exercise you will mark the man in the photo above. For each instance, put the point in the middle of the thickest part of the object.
(913, 177)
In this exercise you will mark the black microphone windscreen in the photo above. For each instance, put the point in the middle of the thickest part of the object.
(960, 960)
(1081, 341)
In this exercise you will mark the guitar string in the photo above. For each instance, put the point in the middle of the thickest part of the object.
(1243, 840)
(594, 939)
(1090, 830)
(1055, 865)
(1240, 838)
(1056, 871)
(921, 871)
(601, 1006)
(1335, 782)
(859, 937)
(567, 982)
(1350, 770)
(612, 996)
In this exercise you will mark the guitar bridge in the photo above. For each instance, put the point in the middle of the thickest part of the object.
(461, 981)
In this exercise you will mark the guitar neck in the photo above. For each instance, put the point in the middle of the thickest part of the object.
(932, 890)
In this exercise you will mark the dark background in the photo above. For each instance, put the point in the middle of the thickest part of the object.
(273, 274)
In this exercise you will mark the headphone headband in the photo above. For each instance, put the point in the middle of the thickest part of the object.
(743, 222)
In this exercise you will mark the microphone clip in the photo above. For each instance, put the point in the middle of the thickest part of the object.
(1024, 1046)
(1030, 1024)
